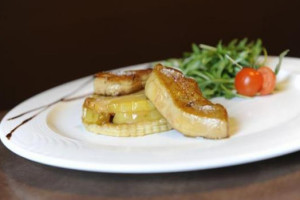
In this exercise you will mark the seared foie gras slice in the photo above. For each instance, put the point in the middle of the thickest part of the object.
(180, 101)
(120, 83)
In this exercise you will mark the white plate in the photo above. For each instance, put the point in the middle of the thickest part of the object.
(262, 127)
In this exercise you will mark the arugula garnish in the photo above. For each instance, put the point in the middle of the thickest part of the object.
(215, 67)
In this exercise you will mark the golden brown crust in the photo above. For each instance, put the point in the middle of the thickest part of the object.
(114, 84)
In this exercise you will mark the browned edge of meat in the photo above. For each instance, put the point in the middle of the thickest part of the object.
(120, 83)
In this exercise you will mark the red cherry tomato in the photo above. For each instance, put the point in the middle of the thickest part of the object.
(269, 80)
(248, 81)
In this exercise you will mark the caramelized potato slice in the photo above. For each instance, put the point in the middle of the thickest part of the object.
(135, 117)
(136, 102)
(90, 116)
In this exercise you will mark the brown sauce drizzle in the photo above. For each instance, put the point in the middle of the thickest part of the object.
(66, 98)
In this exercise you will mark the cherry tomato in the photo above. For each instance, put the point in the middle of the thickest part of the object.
(248, 81)
(269, 80)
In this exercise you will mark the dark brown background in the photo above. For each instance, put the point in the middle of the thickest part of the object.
(46, 43)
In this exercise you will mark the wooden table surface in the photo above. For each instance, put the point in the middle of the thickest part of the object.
(277, 178)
